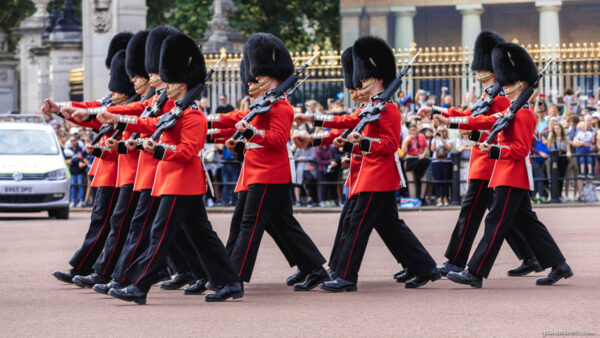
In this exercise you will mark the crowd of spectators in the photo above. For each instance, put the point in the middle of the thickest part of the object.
(567, 123)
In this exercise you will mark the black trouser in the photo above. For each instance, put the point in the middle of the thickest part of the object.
(563, 164)
(104, 204)
(342, 232)
(380, 208)
(271, 204)
(511, 207)
(271, 229)
(172, 212)
(477, 199)
(137, 238)
(441, 171)
(326, 191)
(119, 227)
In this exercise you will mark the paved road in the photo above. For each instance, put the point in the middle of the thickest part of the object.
(33, 303)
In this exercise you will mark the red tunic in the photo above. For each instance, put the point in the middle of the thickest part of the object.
(480, 165)
(515, 143)
(346, 121)
(180, 171)
(104, 169)
(138, 167)
(378, 170)
(267, 160)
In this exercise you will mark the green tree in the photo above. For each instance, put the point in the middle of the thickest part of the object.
(299, 23)
(11, 16)
(189, 16)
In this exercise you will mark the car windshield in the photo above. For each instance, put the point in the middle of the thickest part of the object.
(27, 142)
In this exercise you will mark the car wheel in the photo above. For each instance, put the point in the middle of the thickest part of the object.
(62, 213)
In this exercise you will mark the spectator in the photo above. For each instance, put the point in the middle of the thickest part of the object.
(583, 142)
(441, 166)
(553, 112)
(230, 173)
(416, 150)
(541, 111)
(464, 146)
(558, 141)
(305, 175)
(77, 168)
(224, 106)
(540, 152)
(204, 106)
(327, 173)
(572, 168)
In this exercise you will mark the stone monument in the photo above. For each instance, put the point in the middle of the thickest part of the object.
(102, 19)
(8, 79)
(32, 58)
(221, 35)
(64, 42)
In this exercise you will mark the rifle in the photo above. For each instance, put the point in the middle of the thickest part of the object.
(372, 111)
(263, 103)
(107, 128)
(483, 104)
(169, 120)
(503, 122)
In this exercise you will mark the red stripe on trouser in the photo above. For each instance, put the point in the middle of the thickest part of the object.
(99, 233)
(253, 229)
(356, 236)
(495, 232)
(118, 234)
(468, 220)
(139, 238)
(159, 242)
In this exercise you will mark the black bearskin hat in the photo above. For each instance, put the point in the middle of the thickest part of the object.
(482, 52)
(134, 58)
(268, 56)
(118, 42)
(119, 81)
(347, 66)
(373, 58)
(181, 61)
(512, 63)
(155, 39)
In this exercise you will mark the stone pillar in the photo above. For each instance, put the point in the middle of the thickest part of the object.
(102, 19)
(405, 34)
(378, 21)
(221, 35)
(65, 52)
(549, 23)
(471, 27)
(471, 23)
(350, 26)
(8, 78)
(30, 31)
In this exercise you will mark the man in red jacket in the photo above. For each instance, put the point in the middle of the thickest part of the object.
(375, 67)
(511, 179)
(104, 169)
(127, 199)
(227, 122)
(266, 169)
(479, 194)
(332, 136)
(180, 179)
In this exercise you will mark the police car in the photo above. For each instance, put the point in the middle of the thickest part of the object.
(33, 172)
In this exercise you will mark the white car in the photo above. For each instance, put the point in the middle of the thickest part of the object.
(33, 172)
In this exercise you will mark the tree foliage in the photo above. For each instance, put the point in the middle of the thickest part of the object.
(11, 16)
(299, 23)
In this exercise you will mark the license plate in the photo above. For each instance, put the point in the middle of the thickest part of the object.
(17, 189)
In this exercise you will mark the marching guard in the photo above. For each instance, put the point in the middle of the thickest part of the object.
(512, 177)
(374, 66)
(180, 180)
(479, 195)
